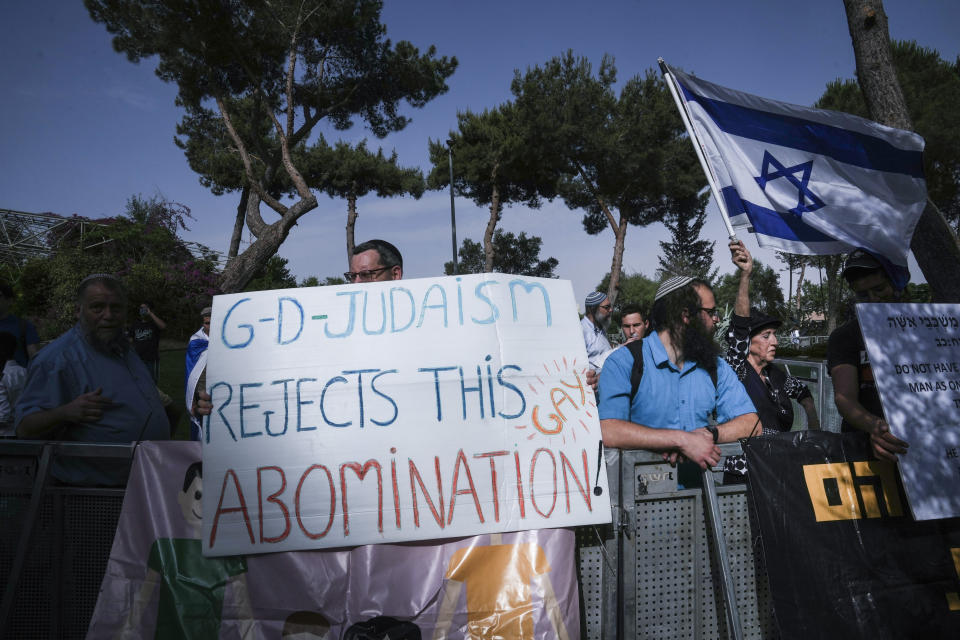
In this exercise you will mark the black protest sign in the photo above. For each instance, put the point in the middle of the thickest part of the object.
(844, 557)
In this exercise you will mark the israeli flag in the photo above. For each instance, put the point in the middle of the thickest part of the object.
(196, 362)
(809, 181)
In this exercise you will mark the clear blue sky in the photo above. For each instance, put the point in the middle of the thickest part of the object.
(82, 129)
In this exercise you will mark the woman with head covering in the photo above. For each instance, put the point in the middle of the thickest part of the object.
(751, 349)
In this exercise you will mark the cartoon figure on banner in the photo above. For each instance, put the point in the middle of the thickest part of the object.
(497, 578)
(305, 625)
(192, 588)
(555, 408)
(383, 628)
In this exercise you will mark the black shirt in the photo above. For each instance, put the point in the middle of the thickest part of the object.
(846, 347)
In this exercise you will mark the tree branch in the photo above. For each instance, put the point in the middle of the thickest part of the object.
(596, 194)
(255, 184)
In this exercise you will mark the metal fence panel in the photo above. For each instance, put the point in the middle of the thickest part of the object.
(68, 549)
(814, 373)
(674, 582)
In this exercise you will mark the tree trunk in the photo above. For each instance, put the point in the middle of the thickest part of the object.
(237, 234)
(803, 271)
(491, 227)
(934, 244)
(613, 289)
(790, 294)
(241, 269)
(833, 265)
(351, 223)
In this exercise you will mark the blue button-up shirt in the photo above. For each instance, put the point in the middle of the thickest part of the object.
(69, 367)
(669, 398)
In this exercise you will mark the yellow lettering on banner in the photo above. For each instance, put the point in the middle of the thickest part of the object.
(837, 489)
(953, 599)
(815, 476)
(888, 485)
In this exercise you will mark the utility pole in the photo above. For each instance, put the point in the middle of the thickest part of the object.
(453, 211)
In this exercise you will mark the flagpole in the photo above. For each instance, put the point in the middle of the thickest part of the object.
(711, 179)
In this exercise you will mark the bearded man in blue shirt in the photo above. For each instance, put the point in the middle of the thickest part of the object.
(688, 399)
(88, 385)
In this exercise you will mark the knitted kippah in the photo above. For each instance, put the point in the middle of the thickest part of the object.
(594, 299)
(671, 284)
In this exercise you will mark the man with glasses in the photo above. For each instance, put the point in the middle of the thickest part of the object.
(375, 261)
(594, 323)
(854, 390)
(683, 386)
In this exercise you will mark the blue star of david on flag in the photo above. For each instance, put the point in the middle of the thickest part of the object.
(867, 192)
(790, 173)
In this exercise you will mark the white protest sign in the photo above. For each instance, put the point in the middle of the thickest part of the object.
(915, 357)
(404, 410)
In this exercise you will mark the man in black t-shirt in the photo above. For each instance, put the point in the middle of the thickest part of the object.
(145, 338)
(854, 389)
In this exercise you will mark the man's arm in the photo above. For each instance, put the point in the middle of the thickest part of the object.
(156, 319)
(845, 395)
(87, 407)
(813, 421)
(743, 426)
(696, 446)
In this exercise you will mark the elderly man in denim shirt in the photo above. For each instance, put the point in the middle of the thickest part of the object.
(89, 386)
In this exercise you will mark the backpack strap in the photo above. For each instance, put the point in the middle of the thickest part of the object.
(636, 373)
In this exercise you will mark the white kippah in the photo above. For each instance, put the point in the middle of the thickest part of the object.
(671, 284)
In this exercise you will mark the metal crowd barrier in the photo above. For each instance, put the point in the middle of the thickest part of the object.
(54, 540)
(814, 373)
(675, 563)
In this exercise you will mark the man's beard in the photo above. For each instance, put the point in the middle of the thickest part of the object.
(602, 321)
(116, 345)
(699, 346)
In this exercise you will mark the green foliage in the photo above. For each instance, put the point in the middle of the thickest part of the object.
(917, 292)
(686, 253)
(210, 151)
(343, 171)
(623, 159)
(142, 249)
(627, 153)
(216, 50)
(272, 275)
(490, 154)
(314, 281)
(931, 89)
(765, 292)
(48, 287)
(519, 255)
(273, 71)
(826, 296)
(635, 288)
(492, 165)
(810, 306)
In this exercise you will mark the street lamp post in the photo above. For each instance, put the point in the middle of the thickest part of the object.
(453, 211)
